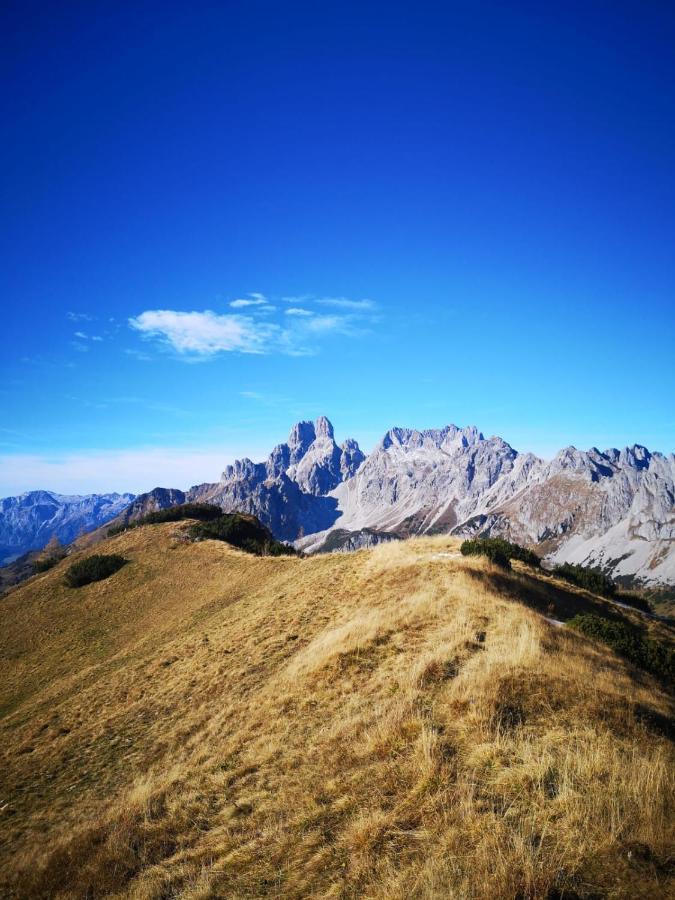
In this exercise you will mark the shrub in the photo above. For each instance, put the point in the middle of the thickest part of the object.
(487, 548)
(203, 512)
(490, 546)
(94, 568)
(44, 565)
(585, 577)
(51, 555)
(635, 600)
(244, 532)
(629, 641)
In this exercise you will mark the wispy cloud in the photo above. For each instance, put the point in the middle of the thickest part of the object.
(205, 333)
(199, 335)
(79, 317)
(324, 324)
(83, 336)
(138, 354)
(346, 303)
(240, 304)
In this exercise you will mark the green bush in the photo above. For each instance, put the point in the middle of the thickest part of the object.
(203, 512)
(491, 546)
(244, 532)
(629, 641)
(94, 568)
(584, 577)
(44, 565)
(118, 529)
(637, 601)
(486, 548)
(53, 553)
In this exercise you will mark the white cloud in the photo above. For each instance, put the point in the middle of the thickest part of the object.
(240, 304)
(79, 317)
(201, 335)
(83, 336)
(324, 324)
(205, 333)
(102, 471)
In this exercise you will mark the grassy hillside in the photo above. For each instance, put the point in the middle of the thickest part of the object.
(393, 723)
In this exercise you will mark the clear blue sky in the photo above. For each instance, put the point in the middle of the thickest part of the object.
(434, 212)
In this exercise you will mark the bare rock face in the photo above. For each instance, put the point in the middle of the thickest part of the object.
(288, 492)
(152, 501)
(614, 509)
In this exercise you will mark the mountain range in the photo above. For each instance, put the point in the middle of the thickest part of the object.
(614, 509)
(29, 521)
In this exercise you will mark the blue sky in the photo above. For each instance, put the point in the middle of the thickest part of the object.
(221, 218)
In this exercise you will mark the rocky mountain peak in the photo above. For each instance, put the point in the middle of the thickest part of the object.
(323, 428)
(301, 437)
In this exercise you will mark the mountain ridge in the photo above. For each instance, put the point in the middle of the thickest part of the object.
(209, 723)
(614, 508)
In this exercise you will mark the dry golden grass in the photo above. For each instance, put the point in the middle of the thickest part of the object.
(391, 723)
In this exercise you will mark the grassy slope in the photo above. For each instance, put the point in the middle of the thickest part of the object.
(388, 723)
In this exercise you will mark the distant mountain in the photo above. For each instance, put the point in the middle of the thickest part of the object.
(614, 509)
(27, 522)
(152, 501)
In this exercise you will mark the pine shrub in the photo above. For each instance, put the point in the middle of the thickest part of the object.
(94, 568)
(592, 579)
(629, 641)
(244, 532)
(496, 548)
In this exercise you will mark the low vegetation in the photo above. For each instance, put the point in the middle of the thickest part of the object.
(500, 551)
(203, 512)
(386, 724)
(45, 564)
(242, 531)
(637, 601)
(630, 641)
(94, 568)
(52, 554)
(592, 579)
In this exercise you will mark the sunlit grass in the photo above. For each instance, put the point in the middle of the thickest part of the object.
(391, 723)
